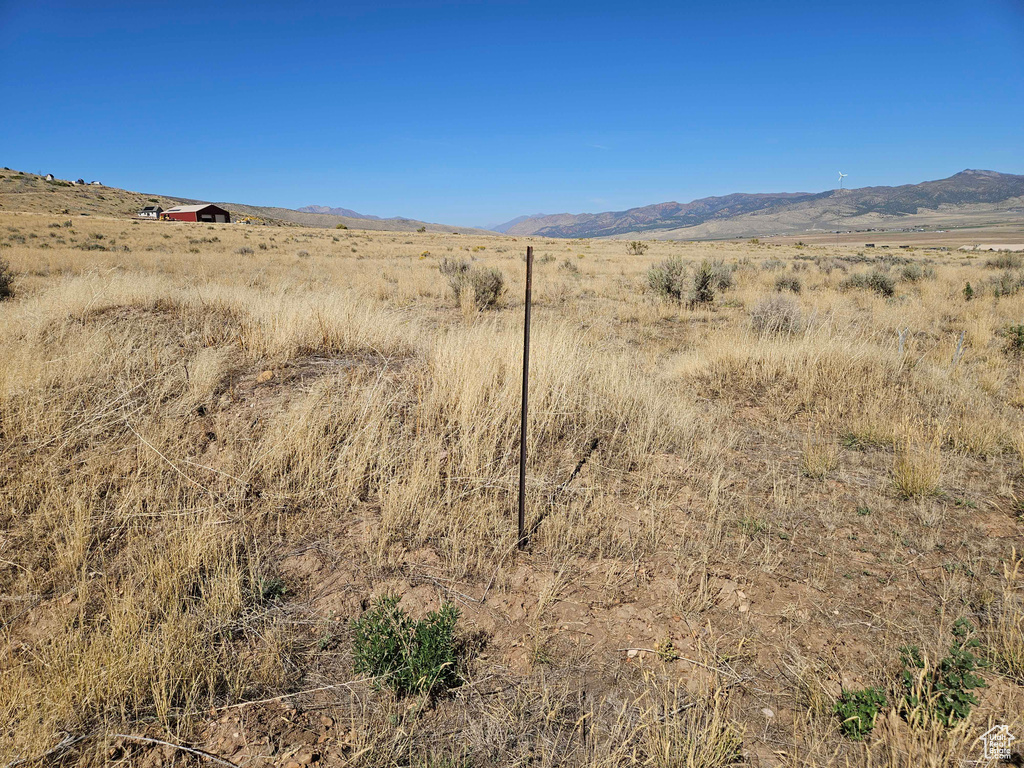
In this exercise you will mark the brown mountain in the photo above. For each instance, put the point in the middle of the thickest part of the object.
(744, 215)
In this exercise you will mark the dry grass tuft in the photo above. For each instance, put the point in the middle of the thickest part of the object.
(916, 468)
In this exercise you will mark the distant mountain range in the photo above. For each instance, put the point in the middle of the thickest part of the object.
(509, 224)
(970, 193)
(336, 212)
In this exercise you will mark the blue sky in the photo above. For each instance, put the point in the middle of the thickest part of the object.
(473, 113)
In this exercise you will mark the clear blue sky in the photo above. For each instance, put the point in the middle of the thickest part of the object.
(472, 113)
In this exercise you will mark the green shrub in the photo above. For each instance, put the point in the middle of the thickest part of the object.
(636, 248)
(1014, 339)
(876, 281)
(703, 291)
(487, 285)
(341, 226)
(1006, 284)
(1006, 261)
(270, 589)
(943, 691)
(668, 278)
(913, 273)
(968, 292)
(788, 283)
(858, 710)
(405, 655)
(6, 279)
(723, 280)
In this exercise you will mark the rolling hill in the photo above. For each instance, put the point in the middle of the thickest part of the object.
(32, 193)
(963, 198)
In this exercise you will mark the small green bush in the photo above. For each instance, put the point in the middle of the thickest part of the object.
(668, 278)
(858, 710)
(913, 272)
(487, 285)
(341, 226)
(1006, 284)
(1006, 261)
(405, 655)
(270, 589)
(968, 292)
(703, 291)
(1014, 339)
(6, 279)
(723, 280)
(788, 283)
(876, 281)
(636, 248)
(943, 691)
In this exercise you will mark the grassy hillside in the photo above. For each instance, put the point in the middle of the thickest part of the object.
(222, 444)
(31, 193)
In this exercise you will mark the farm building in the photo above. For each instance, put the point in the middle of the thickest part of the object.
(208, 212)
(151, 212)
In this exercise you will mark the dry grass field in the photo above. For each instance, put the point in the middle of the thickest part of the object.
(220, 443)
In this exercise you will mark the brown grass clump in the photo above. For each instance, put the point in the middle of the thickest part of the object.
(1006, 626)
(820, 456)
(916, 468)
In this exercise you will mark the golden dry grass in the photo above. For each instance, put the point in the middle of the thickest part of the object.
(188, 413)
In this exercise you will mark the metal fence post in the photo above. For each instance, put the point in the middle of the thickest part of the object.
(526, 384)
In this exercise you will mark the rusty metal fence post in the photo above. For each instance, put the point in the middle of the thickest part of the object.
(526, 384)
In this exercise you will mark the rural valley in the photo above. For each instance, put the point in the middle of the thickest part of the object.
(259, 490)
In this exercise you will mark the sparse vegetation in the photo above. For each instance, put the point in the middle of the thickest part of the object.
(636, 248)
(210, 460)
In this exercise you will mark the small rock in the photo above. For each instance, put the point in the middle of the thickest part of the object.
(264, 377)
(326, 722)
(744, 608)
(632, 652)
(767, 713)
